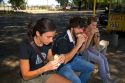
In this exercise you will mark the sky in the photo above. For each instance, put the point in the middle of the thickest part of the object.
(39, 2)
(42, 2)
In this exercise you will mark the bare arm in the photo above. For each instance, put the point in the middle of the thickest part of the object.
(89, 39)
(50, 55)
(25, 70)
(83, 45)
(71, 54)
(28, 74)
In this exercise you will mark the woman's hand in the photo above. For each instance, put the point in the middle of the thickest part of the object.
(52, 65)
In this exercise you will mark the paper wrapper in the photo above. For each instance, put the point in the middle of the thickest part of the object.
(104, 43)
(56, 57)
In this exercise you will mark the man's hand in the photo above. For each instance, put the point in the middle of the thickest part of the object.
(93, 31)
(81, 38)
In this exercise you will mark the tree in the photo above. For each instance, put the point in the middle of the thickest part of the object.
(18, 4)
(78, 3)
(63, 2)
(1, 1)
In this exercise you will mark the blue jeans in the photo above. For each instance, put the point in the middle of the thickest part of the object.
(102, 62)
(77, 64)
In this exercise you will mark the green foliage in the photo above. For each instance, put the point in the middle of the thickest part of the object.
(76, 1)
(17, 4)
(1, 1)
(63, 2)
(88, 4)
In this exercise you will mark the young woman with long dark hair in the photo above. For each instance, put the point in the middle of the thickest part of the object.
(36, 59)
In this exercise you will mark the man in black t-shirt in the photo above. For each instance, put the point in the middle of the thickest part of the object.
(69, 44)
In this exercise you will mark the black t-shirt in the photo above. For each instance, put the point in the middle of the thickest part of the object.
(29, 53)
(62, 44)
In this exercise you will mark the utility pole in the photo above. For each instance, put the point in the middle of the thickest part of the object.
(94, 8)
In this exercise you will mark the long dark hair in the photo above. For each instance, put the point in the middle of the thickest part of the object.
(42, 25)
